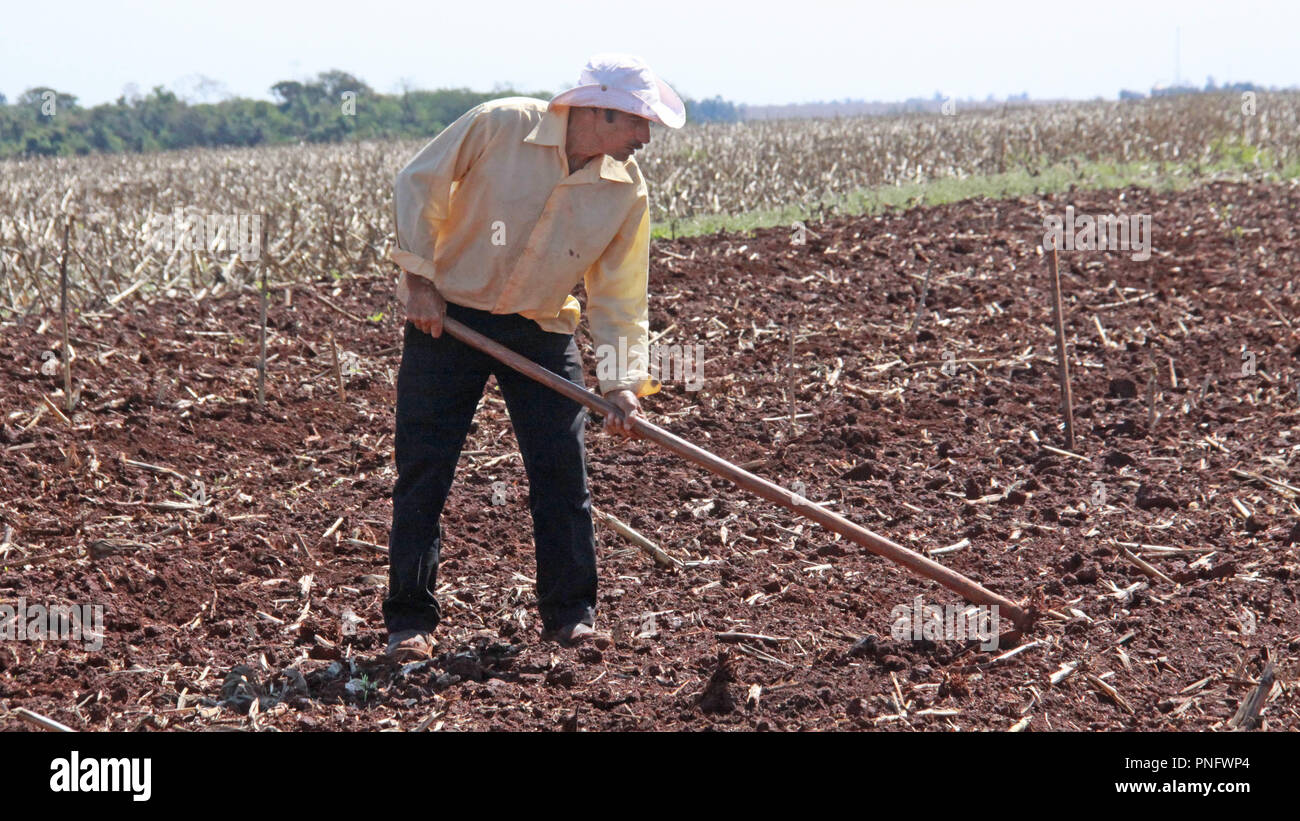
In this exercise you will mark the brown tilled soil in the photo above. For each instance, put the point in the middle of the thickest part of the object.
(226, 606)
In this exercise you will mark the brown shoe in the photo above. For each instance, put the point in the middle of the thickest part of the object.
(406, 646)
(571, 635)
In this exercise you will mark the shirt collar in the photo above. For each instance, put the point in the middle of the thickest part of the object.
(612, 169)
(552, 129)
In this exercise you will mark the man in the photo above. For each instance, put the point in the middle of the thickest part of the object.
(498, 219)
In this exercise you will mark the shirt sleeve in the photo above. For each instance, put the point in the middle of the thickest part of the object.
(617, 306)
(422, 192)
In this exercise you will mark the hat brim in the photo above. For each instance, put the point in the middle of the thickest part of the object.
(667, 110)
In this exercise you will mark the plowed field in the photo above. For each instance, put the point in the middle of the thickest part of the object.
(198, 520)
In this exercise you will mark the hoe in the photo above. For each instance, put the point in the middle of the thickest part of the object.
(967, 588)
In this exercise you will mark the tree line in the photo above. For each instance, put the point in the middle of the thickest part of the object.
(334, 107)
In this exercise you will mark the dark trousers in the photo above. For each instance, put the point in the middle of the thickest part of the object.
(439, 385)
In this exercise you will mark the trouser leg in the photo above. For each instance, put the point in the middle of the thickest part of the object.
(439, 384)
(550, 430)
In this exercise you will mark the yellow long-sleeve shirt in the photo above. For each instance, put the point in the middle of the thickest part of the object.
(489, 212)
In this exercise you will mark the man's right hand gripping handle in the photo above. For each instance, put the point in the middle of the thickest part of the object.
(425, 307)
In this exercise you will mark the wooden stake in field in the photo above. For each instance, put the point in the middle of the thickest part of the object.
(63, 308)
(920, 305)
(790, 380)
(1067, 402)
(261, 361)
(338, 369)
(921, 565)
(1151, 401)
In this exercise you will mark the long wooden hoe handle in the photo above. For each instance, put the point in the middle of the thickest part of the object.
(966, 588)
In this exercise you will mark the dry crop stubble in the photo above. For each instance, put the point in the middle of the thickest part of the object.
(329, 207)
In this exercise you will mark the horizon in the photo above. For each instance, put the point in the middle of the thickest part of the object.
(959, 52)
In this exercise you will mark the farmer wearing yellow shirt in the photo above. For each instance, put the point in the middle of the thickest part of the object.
(498, 219)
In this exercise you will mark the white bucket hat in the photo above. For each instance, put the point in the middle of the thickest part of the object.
(624, 82)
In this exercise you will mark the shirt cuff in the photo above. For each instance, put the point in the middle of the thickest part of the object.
(412, 263)
(415, 266)
(644, 386)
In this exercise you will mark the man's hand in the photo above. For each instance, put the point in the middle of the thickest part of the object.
(425, 307)
(626, 402)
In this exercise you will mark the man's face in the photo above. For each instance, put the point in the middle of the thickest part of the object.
(620, 138)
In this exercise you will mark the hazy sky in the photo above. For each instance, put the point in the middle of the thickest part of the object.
(759, 53)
